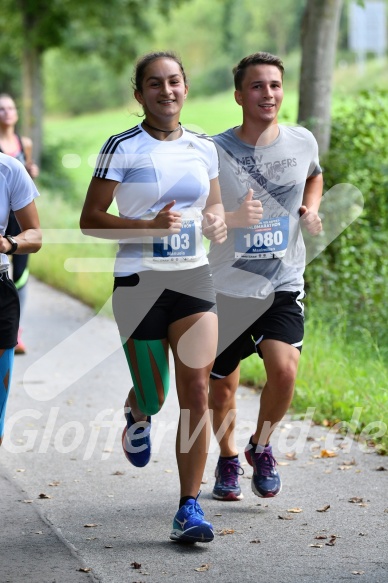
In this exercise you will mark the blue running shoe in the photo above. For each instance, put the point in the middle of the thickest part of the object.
(189, 525)
(227, 475)
(136, 441)
(266, 482)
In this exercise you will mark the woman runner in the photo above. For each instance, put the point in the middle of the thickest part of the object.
(165, 182)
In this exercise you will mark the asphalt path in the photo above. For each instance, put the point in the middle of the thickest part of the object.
(72, 509)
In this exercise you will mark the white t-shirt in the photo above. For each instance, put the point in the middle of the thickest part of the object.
(151, 174)
(17, 190)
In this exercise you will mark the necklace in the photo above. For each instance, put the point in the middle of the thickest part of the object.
(158, 130)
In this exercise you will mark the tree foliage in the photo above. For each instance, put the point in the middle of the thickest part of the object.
(111, 29)
(349, 279)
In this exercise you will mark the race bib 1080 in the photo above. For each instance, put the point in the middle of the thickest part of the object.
(266, 240)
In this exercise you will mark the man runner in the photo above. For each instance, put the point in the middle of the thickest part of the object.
(271, 184)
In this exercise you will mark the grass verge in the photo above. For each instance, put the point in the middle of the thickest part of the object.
(345, 382)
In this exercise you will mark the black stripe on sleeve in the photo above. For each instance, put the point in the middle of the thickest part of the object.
(105, 156)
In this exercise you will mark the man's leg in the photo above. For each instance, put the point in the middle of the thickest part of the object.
(222, 404)
(224, 382)
(281, 364)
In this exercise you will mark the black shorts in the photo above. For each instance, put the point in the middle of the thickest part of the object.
(245, 322)
(145, 304)
(9, 312)
(19, 262)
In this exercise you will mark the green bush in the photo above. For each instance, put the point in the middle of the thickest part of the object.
(349, 279)
(53, 175)
(83, 85)
(213, 79)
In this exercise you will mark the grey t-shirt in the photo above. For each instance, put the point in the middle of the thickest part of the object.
(255, 261)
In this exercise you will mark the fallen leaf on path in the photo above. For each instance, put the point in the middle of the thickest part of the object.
(54, 483)
(108, 547)
(344, 467)
(316, 546)
(295, 510)
(330, 422)
(321, 537)
(356, 500)
(136, 565)
(332, 540)
(324, 508)
(285, 517)
(327, 453)
(204, 567)
(39, 532)
(225, 531)
(28, 501)
(291, 455)
(256, 540)
(381, 469)
(283, 464)
(118, 473)
(358, 572)
(351, 462)
(20, 470)
(168, 471)
(315, 447)
(90, 525)
(85, 569)
(44, 496)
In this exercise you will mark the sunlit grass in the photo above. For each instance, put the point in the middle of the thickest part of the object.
(335, 377)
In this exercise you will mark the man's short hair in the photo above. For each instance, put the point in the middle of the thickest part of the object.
(260, 58)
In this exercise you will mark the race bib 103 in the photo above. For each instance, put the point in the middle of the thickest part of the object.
(174, 251)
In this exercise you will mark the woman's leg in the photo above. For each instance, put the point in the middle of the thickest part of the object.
(20, 275)
(6, 365)
(148, 363)
(193, 341)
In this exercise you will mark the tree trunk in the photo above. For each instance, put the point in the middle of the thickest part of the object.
(319, 42)
(32, 94)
